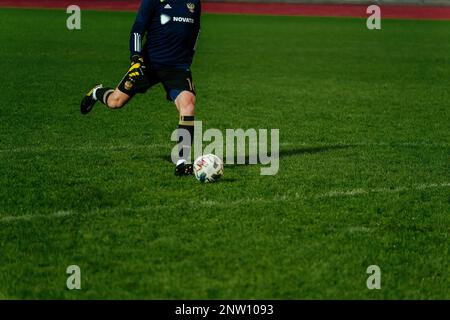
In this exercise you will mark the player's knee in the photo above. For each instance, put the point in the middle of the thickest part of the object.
(187, 109)
(186, 103)
(116, 103)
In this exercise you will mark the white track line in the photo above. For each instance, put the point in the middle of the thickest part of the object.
(243, 201)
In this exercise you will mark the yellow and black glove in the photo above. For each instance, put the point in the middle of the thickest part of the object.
(137, 67)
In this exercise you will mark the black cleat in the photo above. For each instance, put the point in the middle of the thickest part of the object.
(184, 169)
(88, 101)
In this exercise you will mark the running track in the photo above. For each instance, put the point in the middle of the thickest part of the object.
(403, 12)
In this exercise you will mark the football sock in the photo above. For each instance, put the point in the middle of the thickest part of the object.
(185, 143)
(102, 94)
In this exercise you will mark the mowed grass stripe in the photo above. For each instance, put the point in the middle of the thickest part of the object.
(243, 201)
(165, 145)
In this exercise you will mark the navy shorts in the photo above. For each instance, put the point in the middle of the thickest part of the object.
(174, 80)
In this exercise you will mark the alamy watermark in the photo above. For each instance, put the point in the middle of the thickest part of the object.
(374, 280)
(374, 20)
(233, 145)
(73, 22)
(74, 280)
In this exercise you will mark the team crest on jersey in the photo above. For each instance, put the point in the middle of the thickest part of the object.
(191, 7)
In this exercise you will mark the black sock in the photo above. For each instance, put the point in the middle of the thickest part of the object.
(102, 95)
(186, 123)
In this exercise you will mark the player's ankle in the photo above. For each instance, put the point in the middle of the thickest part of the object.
(94, 93)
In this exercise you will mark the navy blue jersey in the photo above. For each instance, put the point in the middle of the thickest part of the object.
(171, 27)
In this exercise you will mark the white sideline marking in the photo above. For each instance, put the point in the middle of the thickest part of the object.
(211, 203)
(27, 217)
(359, 230)
(356, 192)
(85, 148)
(365, 144)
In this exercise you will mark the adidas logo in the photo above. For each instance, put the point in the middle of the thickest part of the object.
(167, 6)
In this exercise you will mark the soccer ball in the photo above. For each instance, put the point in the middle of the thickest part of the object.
(208, 168)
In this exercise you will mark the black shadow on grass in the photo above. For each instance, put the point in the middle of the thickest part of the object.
(227, 180)
(166, 158)
(298, 151)
(311, 150)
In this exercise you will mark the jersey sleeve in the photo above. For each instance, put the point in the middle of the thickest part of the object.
(197, 27)
(143, 18)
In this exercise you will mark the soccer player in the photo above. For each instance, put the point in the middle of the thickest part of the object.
(171, 28)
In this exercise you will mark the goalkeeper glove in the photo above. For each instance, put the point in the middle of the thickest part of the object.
(137, 67)
(136, 59)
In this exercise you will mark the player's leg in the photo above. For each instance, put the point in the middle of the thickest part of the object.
(134, 81)
(180, 90)
(185, 103)
(113, 99)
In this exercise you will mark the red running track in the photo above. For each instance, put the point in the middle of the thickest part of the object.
(394, 11)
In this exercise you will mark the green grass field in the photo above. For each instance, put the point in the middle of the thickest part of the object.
(364, 171)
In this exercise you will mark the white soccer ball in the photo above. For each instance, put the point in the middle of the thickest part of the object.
(208, 168)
